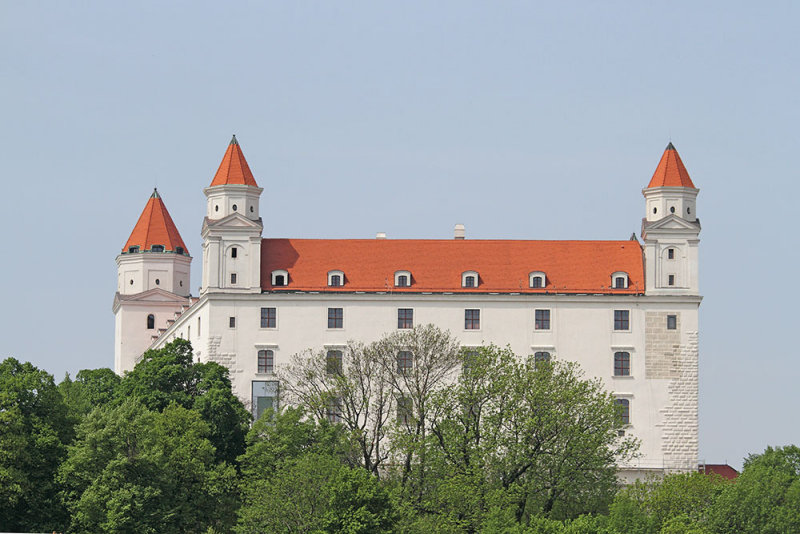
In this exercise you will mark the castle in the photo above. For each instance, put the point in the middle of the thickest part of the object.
(626, 311)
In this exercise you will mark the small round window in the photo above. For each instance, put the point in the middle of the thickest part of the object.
(131, 282)
(158, 281)
(688, 210)
(251, 209)
(234, 207)
(180, 283)
(655, 210)
(216, 208)
(672, 209)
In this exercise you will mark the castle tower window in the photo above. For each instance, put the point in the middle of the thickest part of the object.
(672, 322)
(234, 252)
(233, 278)
(157, 248)
(671, 254)
(235, 207)
(537, 280)
(133, 249)
(470, 279)
(335, 278)
(671, 280)
(151, 322)
(179, 250)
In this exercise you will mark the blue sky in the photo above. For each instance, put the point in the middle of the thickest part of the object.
(519, 119)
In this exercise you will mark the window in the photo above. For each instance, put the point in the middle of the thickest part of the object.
(333, 362)
(402, 279)
(619, 283)
(157, 248)
(151, 321)
(405, 318)
(335, 318)
(624, 410)
(542, 320)
(671, 253)
(537, 279)
(472, 319)
(619, 280)
(334, 410)
(158, 281)
(233, 252)
(671, 280)
(265, 396)
(268, 317)
(405, 361)
(133, 249)
(198, 327)
(470, 357)
(622, 364)
(179, 250)
(622, 320)
(280, 278)
(405, 408)
(266, 361)
(335, 278)
(235, 207)
(672, 322)
(541, 357)
(232, 322)
(469, 279)
(233, 278)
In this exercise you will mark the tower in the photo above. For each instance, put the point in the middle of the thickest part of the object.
(671, 229)
(153, 275)
(232, 228)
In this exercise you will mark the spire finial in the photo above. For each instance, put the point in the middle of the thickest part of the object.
(670, 146)
(155, 193)
(233, 140)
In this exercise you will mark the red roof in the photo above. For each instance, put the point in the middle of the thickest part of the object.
(723, 470)
(670, 171)
(155, 227)
(436, 266)
(234, 168)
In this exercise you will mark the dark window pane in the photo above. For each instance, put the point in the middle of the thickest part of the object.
(624, 407)
(405, 361)
(405, 318)
(536, 282)
(622, 364)
(233, 252)
(671, 280)
(280, 280)
(671, 253)
(266, 361)
(472, 319)
(335, 318)
(151, 321)
(469, 281)
(672, 322)
(232, 322)
(542, 320)
(621, 320)
(268, 318)
(336, 280)
(541, 356)
(619, 282)
(333, 362)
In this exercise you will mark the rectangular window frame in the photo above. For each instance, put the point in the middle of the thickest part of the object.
(472, 319)
(232, 322)
(335, 318)
(622, 320)
(672, 321)
(267, 365)
(541, 319)
(405, 318)
(622, 367)
(269, 317)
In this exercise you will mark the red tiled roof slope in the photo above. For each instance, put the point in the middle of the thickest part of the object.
(155, 227)
(234, 168)
(436, 265)
(671, 171)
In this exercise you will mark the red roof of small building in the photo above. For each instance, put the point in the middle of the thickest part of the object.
(436, 266)
(723, 470)
(155, 227)
(671, 171)
(234, 168)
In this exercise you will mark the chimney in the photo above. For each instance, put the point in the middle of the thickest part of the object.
(380, 235)
(458, 232)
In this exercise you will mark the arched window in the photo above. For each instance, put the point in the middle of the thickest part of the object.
(335, 278)
(402, 279)
(541, 357)
(151, 321)
(280, 278)
(624, 407)
(537, 280)
(470, 279)
(266, 361)
(619, 280)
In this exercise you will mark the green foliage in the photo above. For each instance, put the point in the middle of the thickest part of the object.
(135, 470)
(34, 430)
(90, 389)
(766, 496)
(168, 375)
(297, 477)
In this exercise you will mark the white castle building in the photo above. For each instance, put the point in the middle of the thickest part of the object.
(626, 312)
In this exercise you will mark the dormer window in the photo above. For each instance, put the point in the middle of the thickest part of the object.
(537, 280)
(619, 280)
(402, 279)
(469, 279)
(280, 278)
(157, 248)
(335, 278)
(134, 249)
(179, 250)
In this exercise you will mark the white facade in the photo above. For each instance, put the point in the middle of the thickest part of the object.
(660, 336)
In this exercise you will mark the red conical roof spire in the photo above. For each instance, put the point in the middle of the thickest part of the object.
(155, 227)
(670, 171)
(234, 168)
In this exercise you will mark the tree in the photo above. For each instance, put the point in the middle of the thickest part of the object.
(168, 375)
(297, 476)
(34, 431)
(135, 470)
(765, 498)
(533, 436)
(90, 389)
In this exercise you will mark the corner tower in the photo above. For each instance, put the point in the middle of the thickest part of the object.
(671, 229)
(153, 276)
(232, 227)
